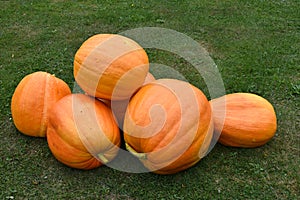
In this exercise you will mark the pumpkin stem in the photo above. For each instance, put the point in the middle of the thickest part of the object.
(102, 158)
(141, 156)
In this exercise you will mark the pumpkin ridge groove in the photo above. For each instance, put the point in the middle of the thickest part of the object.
(45, 112)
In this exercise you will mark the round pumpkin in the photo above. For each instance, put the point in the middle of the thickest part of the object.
(250, 120)
(32, 99)
(168, 125)
(82, 132)
(110, 66)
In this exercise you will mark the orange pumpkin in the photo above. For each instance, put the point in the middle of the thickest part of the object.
(110, 66)
(33, 98)
(168, 125)
(250, 120)
(82, 132)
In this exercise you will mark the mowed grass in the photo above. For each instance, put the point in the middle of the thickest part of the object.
(256, 45)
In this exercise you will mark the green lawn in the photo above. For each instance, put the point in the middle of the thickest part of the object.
(256, 45)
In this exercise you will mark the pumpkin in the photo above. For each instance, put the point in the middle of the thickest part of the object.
(110, 66)
(250, 120)
(168, 125)
(32, 100)
(82, 132)
(119, 107)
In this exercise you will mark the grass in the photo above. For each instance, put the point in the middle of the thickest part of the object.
(256, 46)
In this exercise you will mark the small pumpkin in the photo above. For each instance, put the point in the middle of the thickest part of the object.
(82, 132)
(110, 66)
(250, 120)
(168, 125)
(32, 99)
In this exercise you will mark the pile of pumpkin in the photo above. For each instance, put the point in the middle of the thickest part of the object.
(167, 124)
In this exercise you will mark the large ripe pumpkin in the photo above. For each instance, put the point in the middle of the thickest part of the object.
(110, 66)
(33, 98)
(250, 120)
(82, 132)
(168, 125)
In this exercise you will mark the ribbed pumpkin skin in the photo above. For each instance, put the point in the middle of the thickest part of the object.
(250, 120)
(82, 132)
(110, 66)
(33, 98)
(168, 125)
